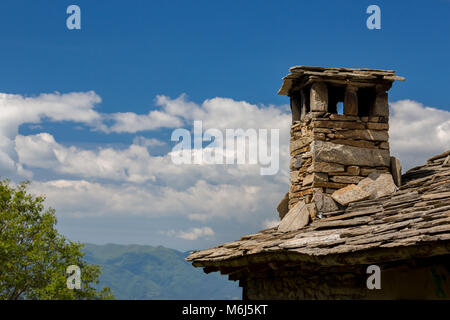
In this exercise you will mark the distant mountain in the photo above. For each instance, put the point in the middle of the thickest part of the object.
(143, 272)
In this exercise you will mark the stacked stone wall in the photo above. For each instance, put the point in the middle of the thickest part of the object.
(406, 281)
(331, 151)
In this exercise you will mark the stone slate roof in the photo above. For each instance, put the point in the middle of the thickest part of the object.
(414, 222)
(300, 75)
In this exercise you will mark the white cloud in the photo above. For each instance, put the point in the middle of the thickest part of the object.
(198, 217)
(192, 234)
(224, 113)
(75, 106)
(39, 150)
(410, 122)
(131, 122)
(418, 132)
(131, 181)
(82, 198)
(142, 141)
(220, 113)
(134, 164)
(180, 107)
(16, 110)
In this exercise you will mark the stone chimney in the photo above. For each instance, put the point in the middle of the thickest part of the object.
(331, 148)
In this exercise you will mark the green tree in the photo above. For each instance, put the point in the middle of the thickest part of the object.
(33, 256)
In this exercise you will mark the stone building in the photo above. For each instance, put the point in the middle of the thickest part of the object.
(348, 206)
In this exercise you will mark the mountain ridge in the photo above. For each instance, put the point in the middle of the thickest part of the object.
(141, 272)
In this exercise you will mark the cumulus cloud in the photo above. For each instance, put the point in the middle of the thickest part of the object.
(16, 110)
(418, 132)
(131, 122)
(142, 141)
(39, 150)
(192, 234)
(75, 106)
(223, 113)
(132, 181)
(82, 198)
(133, 164)
(218, 113)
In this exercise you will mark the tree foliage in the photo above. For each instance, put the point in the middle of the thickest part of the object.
(34, 256)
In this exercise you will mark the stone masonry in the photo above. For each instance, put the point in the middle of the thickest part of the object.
(330, 151)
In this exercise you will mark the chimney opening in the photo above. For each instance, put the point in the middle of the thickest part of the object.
(366, 99)
(306, 91)
(336, 96)
(296, 106)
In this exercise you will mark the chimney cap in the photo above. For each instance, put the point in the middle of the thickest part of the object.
(301, 76)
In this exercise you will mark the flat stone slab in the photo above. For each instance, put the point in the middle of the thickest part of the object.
(370, 135)
(299, 143)
(324, 202)
(298, 217)
(349, 194)
(375, 186)
(325, 167)
(283, 207)
(378, 185)
(348, 155)
(396, 170)
(446, 162)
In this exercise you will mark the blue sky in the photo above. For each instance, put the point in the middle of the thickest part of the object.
(129, 52)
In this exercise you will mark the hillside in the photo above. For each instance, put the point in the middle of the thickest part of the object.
(138, 272)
